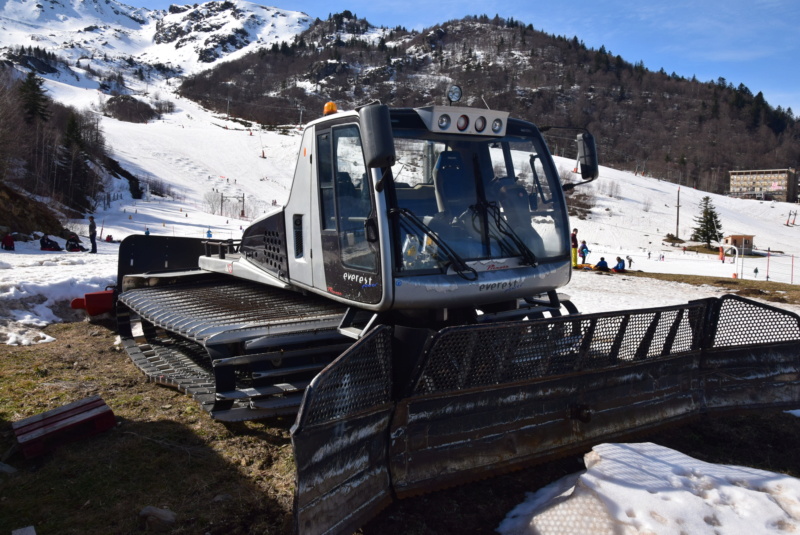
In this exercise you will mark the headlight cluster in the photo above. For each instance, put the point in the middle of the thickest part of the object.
(463, 122)
(459, 120)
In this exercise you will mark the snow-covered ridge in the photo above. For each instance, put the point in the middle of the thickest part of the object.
(56, 15)
(186, 39)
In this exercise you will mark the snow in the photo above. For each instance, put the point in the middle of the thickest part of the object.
(626, 488)
(645, 488)
(109, 29)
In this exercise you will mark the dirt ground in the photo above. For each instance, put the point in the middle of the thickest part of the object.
(239, 478)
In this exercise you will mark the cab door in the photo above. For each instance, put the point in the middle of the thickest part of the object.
(350, 243)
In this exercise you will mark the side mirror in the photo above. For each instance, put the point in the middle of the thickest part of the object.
(587, 156)
(376, 136)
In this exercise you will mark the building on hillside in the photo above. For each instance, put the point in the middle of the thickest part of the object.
(743, 242)
(767, 184)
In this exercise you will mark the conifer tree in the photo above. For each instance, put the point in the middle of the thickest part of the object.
(72, 135)
(708, 227)
(34, 101)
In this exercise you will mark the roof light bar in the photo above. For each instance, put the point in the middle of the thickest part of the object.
(467, 120)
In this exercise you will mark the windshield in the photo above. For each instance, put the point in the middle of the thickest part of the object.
(485, 198)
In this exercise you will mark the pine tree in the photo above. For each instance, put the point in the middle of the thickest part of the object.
(34, 101)
(72, 135)
(708, 227)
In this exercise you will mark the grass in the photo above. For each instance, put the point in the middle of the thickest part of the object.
(164, 451)
(714, 251)
(702, 249)
(775, 292)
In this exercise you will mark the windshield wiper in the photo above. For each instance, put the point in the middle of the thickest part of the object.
(459, 265)
(507, 230)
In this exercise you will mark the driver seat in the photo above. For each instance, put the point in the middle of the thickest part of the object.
(455, 192)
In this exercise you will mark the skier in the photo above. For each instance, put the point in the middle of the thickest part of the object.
(583, 251)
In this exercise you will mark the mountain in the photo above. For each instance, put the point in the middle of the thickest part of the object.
(106, 35)
(275, 67)
(682, 130)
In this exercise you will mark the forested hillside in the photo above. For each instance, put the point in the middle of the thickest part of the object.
(683, 130)
(50, 151)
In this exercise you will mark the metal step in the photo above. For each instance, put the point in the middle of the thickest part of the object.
(291, 402)
(247, 393)
(282, 372)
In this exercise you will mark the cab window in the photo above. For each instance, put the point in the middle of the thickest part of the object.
(353, 200)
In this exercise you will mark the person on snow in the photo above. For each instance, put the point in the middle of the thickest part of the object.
(574, 238)
(49, 245)
(583, 251)
(630, 261)
(602, 265)
(93, 234)
(8, 242)
(620, 267)
(73, 244)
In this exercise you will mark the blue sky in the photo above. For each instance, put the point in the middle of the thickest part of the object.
(754, 42)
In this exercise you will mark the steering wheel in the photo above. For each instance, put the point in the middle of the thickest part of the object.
(467, 220)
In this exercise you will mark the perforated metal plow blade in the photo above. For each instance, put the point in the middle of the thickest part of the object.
(382, 422)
